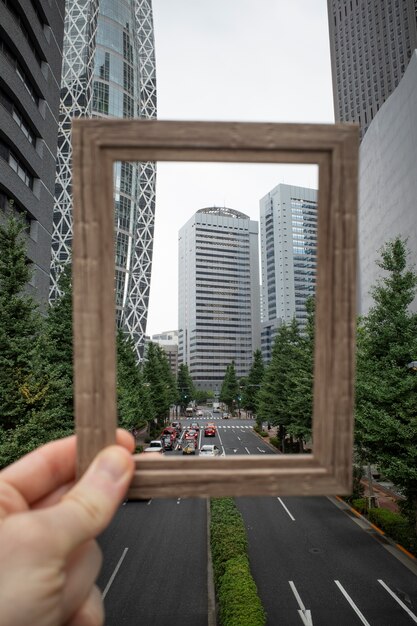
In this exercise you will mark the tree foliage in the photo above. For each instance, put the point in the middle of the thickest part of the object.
(252, 384)
(185, 387)
(19, 326)
(386, 390)
(230, 392)
(285, 396)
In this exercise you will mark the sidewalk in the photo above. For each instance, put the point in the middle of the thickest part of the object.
(386, 498)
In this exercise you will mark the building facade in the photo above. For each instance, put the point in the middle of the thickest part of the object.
(109, 71)
(218, 299)
(168, 341)
(388, 182)
(371, 43)
(288, 225)
(30, 59)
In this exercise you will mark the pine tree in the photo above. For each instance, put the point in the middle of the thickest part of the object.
(19, 326)
(386, 390)
(130, 409)
(185, 387)
(301, 401)
(274, 400)
(160, 385)
(229, 392)
(252, 383)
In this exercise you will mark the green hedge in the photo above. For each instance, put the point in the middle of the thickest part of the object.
(238, 598)
(395, 525)
(275, 442)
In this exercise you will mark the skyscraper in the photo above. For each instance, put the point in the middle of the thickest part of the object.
(109, 70)
(371, 43)
(288, 224)
(30, 57)
(388, 183)
(218, 288)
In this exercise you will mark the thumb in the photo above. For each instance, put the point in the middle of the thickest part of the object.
(89, 506)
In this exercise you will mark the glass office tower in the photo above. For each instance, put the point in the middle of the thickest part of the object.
(288, 225)
(109, 71)
(218, 295)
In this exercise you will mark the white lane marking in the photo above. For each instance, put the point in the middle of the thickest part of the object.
(148, 503)
(221, 443)
(113, 576)
(179, 500)
(247, 450)
(260, 450)
(283, 505)
(239, 438)
(352, 604)
(400, 602)
(304, 613)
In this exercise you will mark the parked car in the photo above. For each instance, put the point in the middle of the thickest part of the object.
(189, 447)
(209, 450)
(210, 430)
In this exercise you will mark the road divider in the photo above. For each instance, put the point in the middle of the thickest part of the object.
(239, 603)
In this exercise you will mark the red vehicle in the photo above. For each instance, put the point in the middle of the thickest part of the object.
(191, 435)
(171, 431)
(210, 430)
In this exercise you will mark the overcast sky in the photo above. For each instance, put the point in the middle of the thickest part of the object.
(233, 60)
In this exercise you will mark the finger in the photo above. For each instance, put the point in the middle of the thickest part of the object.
(50, 466)
(11, 500)
(91, 612)
(82, 570)
(87, 509)
(54, 497)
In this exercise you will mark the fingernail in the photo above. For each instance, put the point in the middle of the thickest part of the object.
(113, 463)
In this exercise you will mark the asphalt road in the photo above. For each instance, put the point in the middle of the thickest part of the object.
(313, 564)
(161, 579)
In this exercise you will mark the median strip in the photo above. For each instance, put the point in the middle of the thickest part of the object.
(239, 603)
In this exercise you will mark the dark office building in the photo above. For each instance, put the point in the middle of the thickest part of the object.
(371, 43)
(31, 33)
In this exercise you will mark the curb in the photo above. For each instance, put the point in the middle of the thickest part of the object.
(267, 443)
(381, 532)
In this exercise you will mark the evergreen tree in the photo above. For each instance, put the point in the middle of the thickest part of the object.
(19, 326)
(155, 376)
(386, 390)
(252, 383)
(274, 400)
(48, 389)
(301, 400)
(130, 394)
(185, 387)
(230, 392)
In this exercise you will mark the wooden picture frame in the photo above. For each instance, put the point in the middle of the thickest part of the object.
(97, 144)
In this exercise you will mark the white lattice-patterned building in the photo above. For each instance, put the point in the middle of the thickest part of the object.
(109, 71)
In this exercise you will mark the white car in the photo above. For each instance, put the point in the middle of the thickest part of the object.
(209, 450)
(155, 446)
(199, 413)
